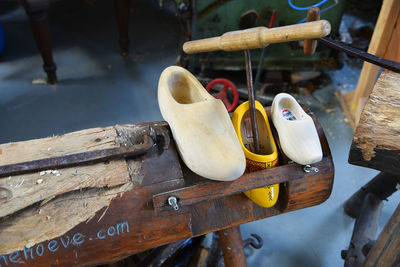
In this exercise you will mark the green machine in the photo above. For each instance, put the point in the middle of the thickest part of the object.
(215, 17)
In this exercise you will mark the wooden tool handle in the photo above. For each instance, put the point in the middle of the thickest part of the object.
(259, 37)
(313, 14)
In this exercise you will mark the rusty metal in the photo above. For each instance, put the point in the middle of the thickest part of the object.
(255, 242)
(211, 7)
(384, 63)
(161, 136)
(248, 20)
(88, 157)
(252, 96)
(262, 56)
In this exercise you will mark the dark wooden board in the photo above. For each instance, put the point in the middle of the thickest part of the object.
(130, 224)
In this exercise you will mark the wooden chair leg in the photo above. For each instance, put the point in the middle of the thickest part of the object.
(41, 33)
(122, 16)
(232, 247)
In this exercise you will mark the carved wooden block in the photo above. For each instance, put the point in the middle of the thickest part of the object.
(87, 224)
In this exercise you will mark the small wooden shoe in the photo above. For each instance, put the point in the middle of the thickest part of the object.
(297, 133)
(200, 125)
(265, 196)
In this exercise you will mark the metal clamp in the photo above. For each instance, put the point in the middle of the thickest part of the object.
(308, 169)
(173, 202)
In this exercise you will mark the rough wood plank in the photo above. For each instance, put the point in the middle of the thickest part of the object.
(28, 189)
(167, 160)
(31, 227)
(80, 141)
(25, 190)
(393, 49)
(40, 223)
(386, 251)
(376, 142)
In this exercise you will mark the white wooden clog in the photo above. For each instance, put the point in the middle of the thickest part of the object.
(297, 133)
(200, 125)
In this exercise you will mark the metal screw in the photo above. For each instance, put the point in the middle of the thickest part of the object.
(308, 169)
(152, 133)
(173, 202)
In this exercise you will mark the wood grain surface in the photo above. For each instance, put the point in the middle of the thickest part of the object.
(121, 221)
(259, 37)
(376, 142)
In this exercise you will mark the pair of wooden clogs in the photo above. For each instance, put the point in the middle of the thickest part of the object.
(216, 148)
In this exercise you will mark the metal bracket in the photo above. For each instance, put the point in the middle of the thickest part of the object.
(308, 169)
(173, 202)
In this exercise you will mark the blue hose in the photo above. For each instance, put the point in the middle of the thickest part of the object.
(307, 7)
(317, 5)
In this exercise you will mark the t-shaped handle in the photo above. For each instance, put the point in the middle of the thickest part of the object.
(259, 37)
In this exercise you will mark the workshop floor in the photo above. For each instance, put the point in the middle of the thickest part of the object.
(99, 88)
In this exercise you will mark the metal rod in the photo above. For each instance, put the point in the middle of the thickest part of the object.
(193, 33)
(77, 159)
(262, 57)
(384, 63)
(252, 96)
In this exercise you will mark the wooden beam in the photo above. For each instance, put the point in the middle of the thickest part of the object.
(213, 189)
(386, 251)
(378, 46)
(393, 50)
(376, 142)
(28, 189)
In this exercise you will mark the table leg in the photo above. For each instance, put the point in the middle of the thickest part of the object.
(122, 15)
(41, 33)
(232, 247)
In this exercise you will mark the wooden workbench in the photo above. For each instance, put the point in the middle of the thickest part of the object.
(104, 212)
(376, 145)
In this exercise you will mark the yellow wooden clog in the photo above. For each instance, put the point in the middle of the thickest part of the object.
(268, 157)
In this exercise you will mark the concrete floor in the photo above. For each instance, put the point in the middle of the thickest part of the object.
(98, 88)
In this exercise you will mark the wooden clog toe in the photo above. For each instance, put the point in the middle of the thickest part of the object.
(200, 125)
(297, 133)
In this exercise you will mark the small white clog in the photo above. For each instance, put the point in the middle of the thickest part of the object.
(200, 125)
(297, 133)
